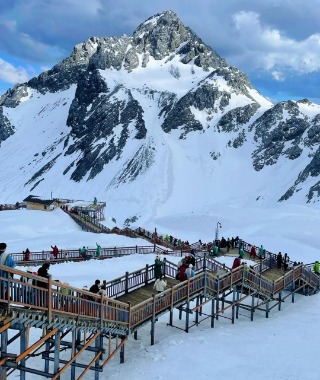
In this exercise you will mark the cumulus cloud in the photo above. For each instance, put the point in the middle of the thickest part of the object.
(278, 75)
(12, 74)
(267, 48)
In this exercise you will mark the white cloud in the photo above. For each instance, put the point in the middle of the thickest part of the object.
(269, 49)
(12, 74)
(278, 76)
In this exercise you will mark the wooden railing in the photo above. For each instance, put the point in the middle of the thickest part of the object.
(62, 300)
(69, 302)
(74, 254)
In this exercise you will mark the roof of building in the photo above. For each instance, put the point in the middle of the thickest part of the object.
(36, 199)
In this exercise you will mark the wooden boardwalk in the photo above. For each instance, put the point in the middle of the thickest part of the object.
(135, 297)
(131, 303)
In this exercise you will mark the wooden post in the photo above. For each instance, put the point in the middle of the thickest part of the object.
(201, 301)
(155, 239)
(233, 302)
(187, 316)
(252, 307)
(127, 283)
(222, 303)
(267, 309)
(47, 348)
(280, 301)
(237, 305)
(293, 290)
(23, 347)
(73, 353)
(122, 352)
(56, 352)
(212, 313)
(49, 299)
(98, 347)
(188, 307)
(147, 274)
(171, 307)
(197, 311)
(4, 348)
(153, 321)
(217, 304)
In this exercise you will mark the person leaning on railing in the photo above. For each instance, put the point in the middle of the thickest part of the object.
(43, 272)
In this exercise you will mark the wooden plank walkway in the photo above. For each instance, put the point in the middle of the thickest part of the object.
(142, 294)
(273, 274)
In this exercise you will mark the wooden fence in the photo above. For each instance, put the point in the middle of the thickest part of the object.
(70, 302)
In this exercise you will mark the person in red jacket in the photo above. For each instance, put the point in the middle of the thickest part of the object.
(27, 255)
(236, 262)
(55, 251)
(253, 252)
(183, 268)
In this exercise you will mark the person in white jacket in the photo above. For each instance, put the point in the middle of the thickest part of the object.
(160, 285)
(189, 273)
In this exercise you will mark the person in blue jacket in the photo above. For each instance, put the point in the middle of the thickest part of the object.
(6, 260)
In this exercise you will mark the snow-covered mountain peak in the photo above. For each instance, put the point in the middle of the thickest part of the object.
(141, 121)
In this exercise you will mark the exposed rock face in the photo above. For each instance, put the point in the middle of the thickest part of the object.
(192, 91)
(13, 96)
(274, 131)
(6, 129)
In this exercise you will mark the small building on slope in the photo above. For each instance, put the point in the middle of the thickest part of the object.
(36, 203)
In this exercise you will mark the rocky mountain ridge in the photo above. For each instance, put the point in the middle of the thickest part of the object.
(120, 107)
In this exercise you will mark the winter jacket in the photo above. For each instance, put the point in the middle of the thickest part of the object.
(94, 288)
(236, 263)
(160, 285)
(189, 273)
(43, 272)
(157, 268)
(55, 251)
(183, 268)
(316, 267)
(261, 249)
(253, 251)
(7, 260)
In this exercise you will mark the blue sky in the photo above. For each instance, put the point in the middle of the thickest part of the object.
(276, 43)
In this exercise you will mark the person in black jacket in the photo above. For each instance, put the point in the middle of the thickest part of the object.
(43, 272)
(95, 288)
(279, 260)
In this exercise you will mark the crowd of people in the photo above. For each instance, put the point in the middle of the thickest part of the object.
(185, 267)
(54, 253)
